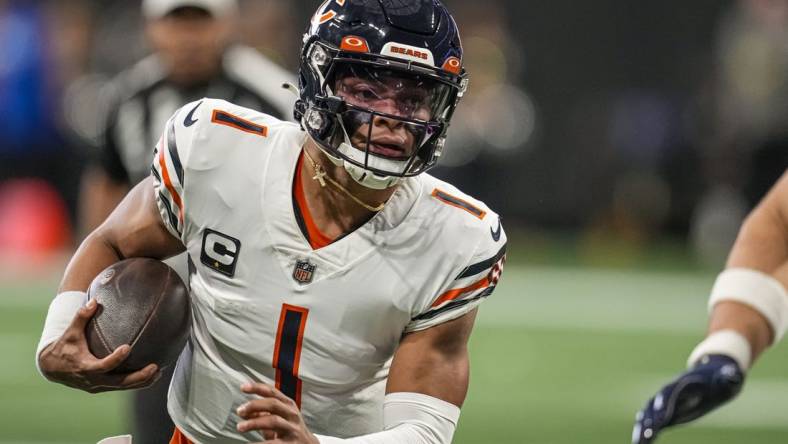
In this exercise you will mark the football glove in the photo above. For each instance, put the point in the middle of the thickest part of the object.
(715, 380)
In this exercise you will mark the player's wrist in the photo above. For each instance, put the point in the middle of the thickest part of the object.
(61, 312)
(728, 343)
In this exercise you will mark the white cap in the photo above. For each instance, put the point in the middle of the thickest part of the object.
(156, 9)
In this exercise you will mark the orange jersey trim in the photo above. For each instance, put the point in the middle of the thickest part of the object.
(457, 292)
(300, 340)
(179, 438)
(316, 239)
(168, 183)
(224, 118)
(458, 203)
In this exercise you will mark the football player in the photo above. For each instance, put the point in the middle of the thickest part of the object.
(334, 283)
(749, 312)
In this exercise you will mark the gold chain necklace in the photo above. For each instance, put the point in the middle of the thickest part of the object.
(321, 176)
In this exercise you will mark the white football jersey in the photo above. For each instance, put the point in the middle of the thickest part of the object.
(322, 325)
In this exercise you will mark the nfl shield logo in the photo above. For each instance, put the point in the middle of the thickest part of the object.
(303, 272)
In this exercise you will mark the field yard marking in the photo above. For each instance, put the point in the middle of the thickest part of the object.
(591, 299)
(599, 300)
(555, 297)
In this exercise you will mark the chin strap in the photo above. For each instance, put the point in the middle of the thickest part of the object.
(321, 176)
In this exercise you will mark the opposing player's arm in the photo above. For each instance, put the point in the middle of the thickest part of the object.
(761, 246)
(749, 311)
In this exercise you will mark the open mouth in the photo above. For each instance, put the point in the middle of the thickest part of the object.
(387, 146)
(389, 150)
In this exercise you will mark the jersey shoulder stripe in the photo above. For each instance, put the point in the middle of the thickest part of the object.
(458, 202)
(171, 217)
(457, 292)
(168, 183)
(453, 306)
(239, 123)
(484, 265)
(172, 146)
(475, 246)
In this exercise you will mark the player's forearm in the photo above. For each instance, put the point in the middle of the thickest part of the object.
(94, 254)
(744, 320)
(750, 295)
(749, 322)
(762, 243)
(134, 229)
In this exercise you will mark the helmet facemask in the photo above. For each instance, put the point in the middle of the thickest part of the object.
(383, 119)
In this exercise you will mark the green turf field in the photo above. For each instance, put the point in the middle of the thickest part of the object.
(559, 356)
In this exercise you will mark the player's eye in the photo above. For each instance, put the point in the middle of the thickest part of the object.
(365, 94)
(413, 103)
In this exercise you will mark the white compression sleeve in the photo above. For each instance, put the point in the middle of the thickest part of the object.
(61, 312)
(726, 342)
(412, 418)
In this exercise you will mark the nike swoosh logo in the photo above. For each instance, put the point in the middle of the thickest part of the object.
(496, 235)
(189, 121)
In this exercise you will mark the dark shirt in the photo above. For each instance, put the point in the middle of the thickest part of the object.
(141, 100)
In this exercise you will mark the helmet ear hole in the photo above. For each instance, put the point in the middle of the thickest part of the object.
(315, 121)
(319, 57)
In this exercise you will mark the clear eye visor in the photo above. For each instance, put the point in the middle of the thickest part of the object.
(404, 94)
(391, 118)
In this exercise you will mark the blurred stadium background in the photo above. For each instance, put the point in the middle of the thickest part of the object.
(622, 142)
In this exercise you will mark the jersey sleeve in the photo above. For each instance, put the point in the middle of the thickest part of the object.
(168, 171)
(468, 285)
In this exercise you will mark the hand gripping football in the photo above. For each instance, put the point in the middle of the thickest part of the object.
(143, 303)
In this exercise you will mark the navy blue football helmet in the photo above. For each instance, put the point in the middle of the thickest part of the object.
(378, 83)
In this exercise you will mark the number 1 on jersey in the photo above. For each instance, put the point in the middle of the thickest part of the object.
(287, 350)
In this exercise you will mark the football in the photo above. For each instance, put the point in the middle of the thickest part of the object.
(143, 303)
